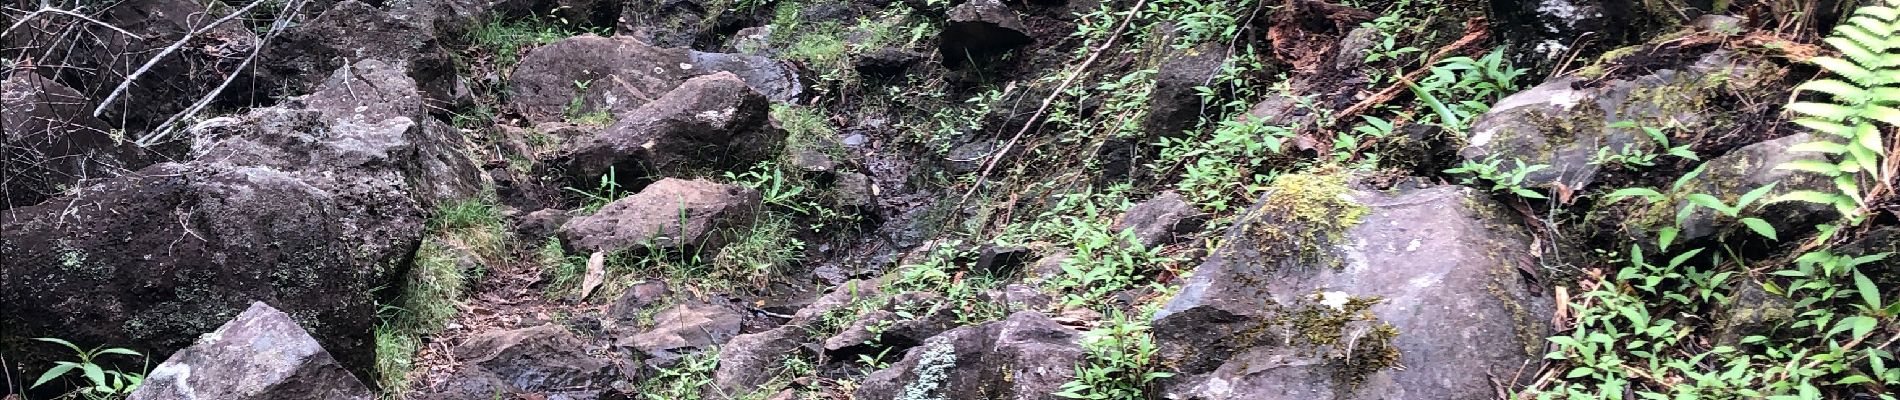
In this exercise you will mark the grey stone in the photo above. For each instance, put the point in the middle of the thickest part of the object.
(1562, 123)
(546, 360)
(708, 122)
(1161, 220)
(1442, 263)
(684, 330)
(52, 142)
(981, 29)
(261, 354)
(1728, 178)
(669, 214)
(1026, 356)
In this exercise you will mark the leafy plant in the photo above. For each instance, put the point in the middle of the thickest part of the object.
(1865, 96)
(1502, 180)
(1121, 362)
(100, 382)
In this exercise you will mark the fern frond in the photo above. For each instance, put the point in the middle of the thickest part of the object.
(1863, 105)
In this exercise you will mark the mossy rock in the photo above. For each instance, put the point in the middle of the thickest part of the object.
(1331, 279)
(1564, 123)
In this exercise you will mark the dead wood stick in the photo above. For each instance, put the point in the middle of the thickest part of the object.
(1474, 32)
(127, 83)
(1046, 101)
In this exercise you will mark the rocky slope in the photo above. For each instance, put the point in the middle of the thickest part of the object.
(918, 199)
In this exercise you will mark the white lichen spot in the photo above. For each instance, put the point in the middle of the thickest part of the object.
(1336, 300)
(931, 371)
(716, 116)
(686, 66)
(1413, 246)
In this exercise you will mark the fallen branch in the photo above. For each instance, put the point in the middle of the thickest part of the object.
(127, 83)
(1474, 31)
(49, 9)
(990, 165)
(276, 27)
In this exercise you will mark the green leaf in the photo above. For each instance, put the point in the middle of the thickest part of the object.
(1809, 196)
(1665, 236)
(1868, 292)
(1752, 195)
(1646, 193)
(1834, 87)
(1815, 166)
(120, 351)
(62, 342)
(1705, 200)
(94, 373)
(1827, 111)
(54, 372)
(1760, 227)
(1856, 379)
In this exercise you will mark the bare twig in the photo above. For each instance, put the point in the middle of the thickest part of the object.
(1046, 101)
(127, 83)
(1474, 31)
(47, 9)
(276, 27)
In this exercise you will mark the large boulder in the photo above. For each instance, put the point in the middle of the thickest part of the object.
(683, 330)
(50, 142)
(311, 206)
(752, 360)
(94, 57)
(350, 31)
(1563, 123)
(261, 354)
(1161, 220)
(588, 74)
(981, 29)
(669, 214)
(1323, 291)
(544, 361)
(1025, 356)
(1727, 178)
(709, 122)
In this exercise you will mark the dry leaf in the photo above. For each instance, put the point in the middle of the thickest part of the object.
(596, 270)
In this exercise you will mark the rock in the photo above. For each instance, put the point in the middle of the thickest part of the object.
(671, 23)
(809, 160)
(98, 64)
(1357, 282)
(541, 223)
(1026, 356)
(1728, 178)
(1563, 123)
(1543, 31)
(351, 31)
(310, 206)
(625, 310)
(376, 121)
(853, 189)
(1174, 105)
(544, 360)
(49, 142)
(886, 62)
(154, 258)
(275, 357)
(751, 360)
(1751, 311)
(669, 214)
(1161, 220)
(902, 323)
(612, 74)
(775, 79)
(753, 40)
(980, 29)
(1352, 49)
(1017, 296)
(683, 330)
(709, 122)
(586, 74)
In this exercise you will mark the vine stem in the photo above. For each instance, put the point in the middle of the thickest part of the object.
(990, 165)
